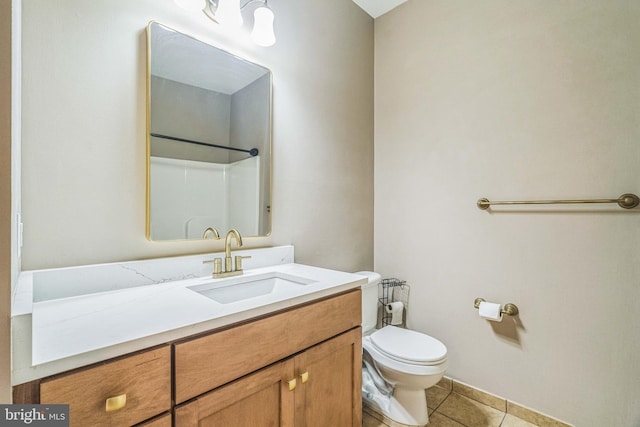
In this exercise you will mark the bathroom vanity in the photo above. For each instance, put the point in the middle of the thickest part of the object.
(285, 360)
(313, 354)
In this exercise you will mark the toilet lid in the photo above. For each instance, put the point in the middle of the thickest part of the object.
(409, 346)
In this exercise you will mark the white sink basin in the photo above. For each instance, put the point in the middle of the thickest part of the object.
(246, 287)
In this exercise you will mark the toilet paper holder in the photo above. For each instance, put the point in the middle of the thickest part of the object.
(510, 309)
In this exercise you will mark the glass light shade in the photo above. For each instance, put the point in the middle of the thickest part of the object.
(228, 13)
(262, 33)
(191, 5)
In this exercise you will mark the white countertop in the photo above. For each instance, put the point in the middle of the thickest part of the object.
(54, 334)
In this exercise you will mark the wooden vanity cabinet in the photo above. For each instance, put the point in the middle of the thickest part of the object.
(207, 362)
(301, 367)
(318, 387)
(259, 399)
(332, 392)
(298, 367)
(161, 421)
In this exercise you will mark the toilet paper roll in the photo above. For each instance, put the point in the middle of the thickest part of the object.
(490, 311)
(396, 309)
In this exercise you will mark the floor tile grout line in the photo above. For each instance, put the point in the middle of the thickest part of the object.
(504, 413)
(442, 401)
(449, 418)
(504, 416)
(375, 415)
(480, 401)
(448, 395)
(435, 410)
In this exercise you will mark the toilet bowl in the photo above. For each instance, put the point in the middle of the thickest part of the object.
(408, 361)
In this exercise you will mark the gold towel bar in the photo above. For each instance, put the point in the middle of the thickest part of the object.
(626, 201)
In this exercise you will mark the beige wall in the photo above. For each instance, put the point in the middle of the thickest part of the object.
(5, 200)
(83, 198)
(516, 100)
(206, 118)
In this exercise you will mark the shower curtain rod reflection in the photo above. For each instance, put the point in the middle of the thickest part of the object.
(253, 151)
(626, 201)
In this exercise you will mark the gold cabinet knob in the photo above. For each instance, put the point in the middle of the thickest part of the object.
(305, 377)
(116, 402)
(292, 384)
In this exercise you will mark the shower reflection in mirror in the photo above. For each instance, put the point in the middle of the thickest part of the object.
(209, 143)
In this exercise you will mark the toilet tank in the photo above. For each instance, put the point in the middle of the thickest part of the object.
(369, 300)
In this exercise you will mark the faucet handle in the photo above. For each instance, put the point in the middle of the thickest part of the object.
(217, 265)
(239, 261)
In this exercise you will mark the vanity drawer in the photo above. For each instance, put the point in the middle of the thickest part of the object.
(145, 380)
(205, 363)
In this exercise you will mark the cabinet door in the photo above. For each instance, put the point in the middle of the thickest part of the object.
(329, 376)
(263, 342)
(260, 399)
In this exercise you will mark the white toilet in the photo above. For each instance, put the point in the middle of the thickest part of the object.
(408, 361)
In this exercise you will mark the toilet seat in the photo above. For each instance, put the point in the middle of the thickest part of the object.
(381, 358)
(409, 347)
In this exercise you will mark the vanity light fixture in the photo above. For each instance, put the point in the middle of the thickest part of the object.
(190, 5)
(228, 13)
(262, 33)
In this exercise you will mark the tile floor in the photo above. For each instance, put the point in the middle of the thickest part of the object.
(450, 409)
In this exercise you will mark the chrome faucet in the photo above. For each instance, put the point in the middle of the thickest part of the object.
(229, 269)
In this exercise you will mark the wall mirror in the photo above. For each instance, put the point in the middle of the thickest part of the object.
(208, 140)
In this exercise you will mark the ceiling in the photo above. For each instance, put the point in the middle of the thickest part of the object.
(173, 55)
(377, 8)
